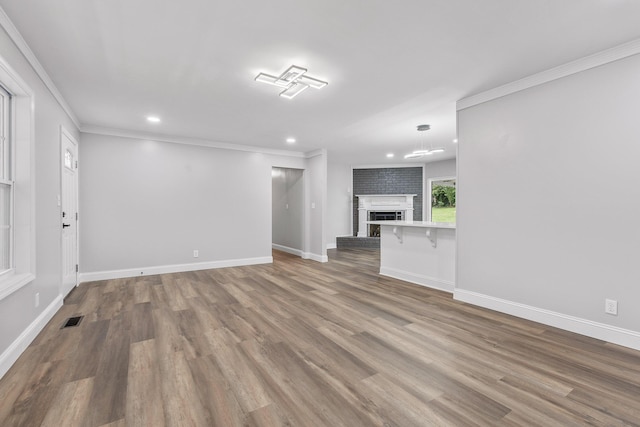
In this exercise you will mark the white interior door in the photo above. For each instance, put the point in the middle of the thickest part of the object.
(69, 220)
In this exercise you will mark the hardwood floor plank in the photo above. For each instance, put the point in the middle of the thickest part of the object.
(247, 387)
(215, 393)
(142, 322)
(31, 406)
(144, 405)
(86, 356)
(182, 407)
(109, 395)
(399, 407)
(70, 405)
(267, 416)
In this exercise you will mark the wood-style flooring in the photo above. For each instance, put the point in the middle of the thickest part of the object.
(300, 343)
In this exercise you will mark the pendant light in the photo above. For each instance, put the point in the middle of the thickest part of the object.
(423, 151)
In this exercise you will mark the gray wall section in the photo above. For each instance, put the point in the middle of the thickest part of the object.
(147, 203)
(18, 311)
(388, 181)
(288, 207)
(549, 200)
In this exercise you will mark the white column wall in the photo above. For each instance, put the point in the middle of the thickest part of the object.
(316, 203)
(339, 201)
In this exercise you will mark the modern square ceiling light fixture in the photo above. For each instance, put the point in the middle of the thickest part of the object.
(294, 80)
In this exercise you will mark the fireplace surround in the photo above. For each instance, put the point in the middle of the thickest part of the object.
(387, 205)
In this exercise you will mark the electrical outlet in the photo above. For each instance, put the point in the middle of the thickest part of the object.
(611, 306)
(195, 253)
(37, 299)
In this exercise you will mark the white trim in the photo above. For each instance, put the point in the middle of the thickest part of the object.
(176, 268)
(604, 57)
(429, 190)
(601, 331)
(26, 51)
(11, 354)
(23, 153)
(15, 282)
(418, 279)
(314, 153)
(389, 166)
(287, 249)
(123, 133)
(332, 245)
(315, 257)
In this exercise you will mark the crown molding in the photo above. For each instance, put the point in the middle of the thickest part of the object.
(23, 47)
(314, 153)
(99, 130)
(604, 57)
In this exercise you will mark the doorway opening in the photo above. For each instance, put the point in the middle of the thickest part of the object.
(287, 210)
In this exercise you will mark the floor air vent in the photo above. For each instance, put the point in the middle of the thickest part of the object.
(72, 321)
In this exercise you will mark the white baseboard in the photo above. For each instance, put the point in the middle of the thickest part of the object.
(601, 331)
(177, 268)
(11, 354)
(418, 279)
(301, 254)
(315, 257)
(287, 249)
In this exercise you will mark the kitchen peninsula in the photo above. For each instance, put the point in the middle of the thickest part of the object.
(420, 252)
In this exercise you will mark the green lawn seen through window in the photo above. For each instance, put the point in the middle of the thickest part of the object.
(447, 214)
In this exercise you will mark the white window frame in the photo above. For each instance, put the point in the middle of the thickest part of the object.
(6, 173)
(21, 140)
(429, 191)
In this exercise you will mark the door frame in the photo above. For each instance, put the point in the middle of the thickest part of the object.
(303, 251)
(64, 132)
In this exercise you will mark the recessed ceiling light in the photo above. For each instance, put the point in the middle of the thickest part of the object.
(291, 140)
(153, 119)
(455, 140)
(389, 155)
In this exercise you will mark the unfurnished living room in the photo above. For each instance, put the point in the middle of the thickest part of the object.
(337, 213)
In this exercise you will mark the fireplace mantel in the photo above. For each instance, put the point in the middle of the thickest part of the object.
(382, 203)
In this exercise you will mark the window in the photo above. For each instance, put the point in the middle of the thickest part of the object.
(6, 186)
(442, 206)
(17, 184)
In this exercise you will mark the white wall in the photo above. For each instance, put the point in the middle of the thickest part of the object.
(549, 201)
(147, 205)
(338, 201)
(288, 209)
(20, 320)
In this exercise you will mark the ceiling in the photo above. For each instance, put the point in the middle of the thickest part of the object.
(391, 65)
